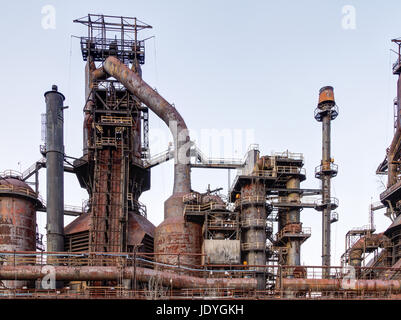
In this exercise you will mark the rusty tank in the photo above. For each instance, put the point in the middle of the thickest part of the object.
(18, 204)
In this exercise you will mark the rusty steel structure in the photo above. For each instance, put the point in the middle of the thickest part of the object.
(18, 203)
(190, 282)
(362, 243)
(174, 234)
(391, 197)
(111, 168)
(325, 112)
(243, 245)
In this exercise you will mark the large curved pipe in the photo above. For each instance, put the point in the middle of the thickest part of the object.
(393, 149)
(134, 83)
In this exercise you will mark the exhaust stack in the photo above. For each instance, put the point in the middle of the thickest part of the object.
(55, 170)
(325, 112)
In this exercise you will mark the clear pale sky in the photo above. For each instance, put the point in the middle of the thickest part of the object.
(255, 66)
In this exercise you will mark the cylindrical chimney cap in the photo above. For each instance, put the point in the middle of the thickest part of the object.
(55, 90)
(326, 88)
(326, 95)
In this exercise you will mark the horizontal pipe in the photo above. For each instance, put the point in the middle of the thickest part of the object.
(110, 273)
(318, 285)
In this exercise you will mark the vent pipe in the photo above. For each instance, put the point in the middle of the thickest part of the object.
(55, 170)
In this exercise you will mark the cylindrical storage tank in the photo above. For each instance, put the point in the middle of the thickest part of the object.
(178, 242)
(17, 221)
(326, 95)
(176, 236)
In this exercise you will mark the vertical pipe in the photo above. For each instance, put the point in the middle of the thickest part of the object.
(293, 216)
(255, 235)
(326, 192)
(55, 170)
(325, 112)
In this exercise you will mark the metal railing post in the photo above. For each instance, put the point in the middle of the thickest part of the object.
(135, 285)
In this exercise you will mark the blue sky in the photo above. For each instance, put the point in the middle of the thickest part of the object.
(249, 65)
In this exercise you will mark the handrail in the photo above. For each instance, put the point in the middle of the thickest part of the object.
(32, 168)
(10, 174)
(390, 189)
(23, 190)
(201, 157)
(255, 223)
(210, 206)
(333, 201)
(290, 155)
(193, 196)
(326, 167)
(249, 200)
(291, 169)
(140, 207)
(159, 157)
(223, 223)
(116, 120)
(70, 208)
(280, 170)
(206, 160)
(306, 231)
(265, 173)
(300, 201)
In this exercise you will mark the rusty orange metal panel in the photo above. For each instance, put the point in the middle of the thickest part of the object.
(326, 94)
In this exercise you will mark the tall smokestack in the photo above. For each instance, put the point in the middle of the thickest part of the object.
(325, 112)
(55, 170)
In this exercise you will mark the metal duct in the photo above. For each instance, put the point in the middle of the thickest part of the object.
(359, 247)
(174, 235)
(164, 110)
(99, 273)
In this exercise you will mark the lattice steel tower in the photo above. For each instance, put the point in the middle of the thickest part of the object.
(115, 132)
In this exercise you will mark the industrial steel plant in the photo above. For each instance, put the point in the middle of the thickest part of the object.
(242, 245)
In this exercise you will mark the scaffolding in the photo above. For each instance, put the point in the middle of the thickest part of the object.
(113, 36)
